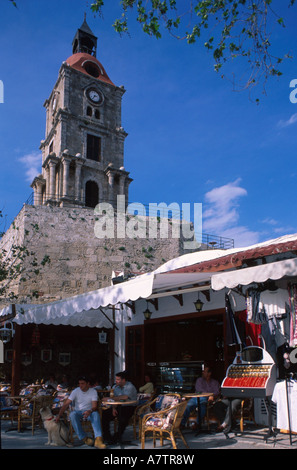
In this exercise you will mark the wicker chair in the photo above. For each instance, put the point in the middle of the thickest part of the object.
(140, 410)
(86, 425)
(8, 407)
(160, 402)
(29, 410)
(165, 422)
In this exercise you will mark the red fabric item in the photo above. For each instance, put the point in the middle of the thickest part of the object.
(254, 332)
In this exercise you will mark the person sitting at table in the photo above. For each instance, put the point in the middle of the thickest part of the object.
(204, 384)
(85, 400)
(64, 382)
(51, 382)
(123, 391)
(148, 387)
(224, 410)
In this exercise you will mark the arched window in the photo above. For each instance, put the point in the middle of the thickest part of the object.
(92, 194)
(91, 68)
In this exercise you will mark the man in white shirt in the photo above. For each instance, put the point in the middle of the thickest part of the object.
(85, 407)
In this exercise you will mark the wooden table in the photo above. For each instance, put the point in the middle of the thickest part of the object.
(115, 402)
(197, 395)
(111, 401)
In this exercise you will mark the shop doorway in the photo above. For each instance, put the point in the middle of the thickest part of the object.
(184, 339)
(188, 339)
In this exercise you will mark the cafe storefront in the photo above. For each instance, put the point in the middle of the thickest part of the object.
(154, 321)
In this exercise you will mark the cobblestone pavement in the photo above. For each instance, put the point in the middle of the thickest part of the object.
(252, 438)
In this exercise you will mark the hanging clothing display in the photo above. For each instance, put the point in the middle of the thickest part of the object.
(266, 304)
(275, 333)
(274, 302)
(268, 311)
(279, 397)
(254, 313)
(292, 288)
(252, 333)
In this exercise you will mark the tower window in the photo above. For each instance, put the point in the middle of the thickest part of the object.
(91, 68)
(92, 194)
(97, 114)
(93, 147)
(89, 111)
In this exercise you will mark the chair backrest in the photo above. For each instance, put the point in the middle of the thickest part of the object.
(173, 416)
(144, 396)
(39, 402)
(181, 407)
(59, 398)
(165, 401)
(27, 391)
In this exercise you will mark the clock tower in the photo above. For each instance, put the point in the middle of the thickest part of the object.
(83, 149)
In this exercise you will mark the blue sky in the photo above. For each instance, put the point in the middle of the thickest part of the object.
(192, 139)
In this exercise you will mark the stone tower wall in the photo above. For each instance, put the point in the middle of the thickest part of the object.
(79, 261)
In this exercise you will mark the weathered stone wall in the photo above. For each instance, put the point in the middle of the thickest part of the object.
(79, 261)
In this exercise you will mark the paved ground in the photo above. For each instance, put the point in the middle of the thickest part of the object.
(252, 438)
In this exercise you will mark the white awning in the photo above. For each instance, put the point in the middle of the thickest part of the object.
(43, 314)
(85, 309)
(92, 309)
(256, 274)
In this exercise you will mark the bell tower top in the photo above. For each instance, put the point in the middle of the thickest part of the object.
(84, 40)
(83, 149)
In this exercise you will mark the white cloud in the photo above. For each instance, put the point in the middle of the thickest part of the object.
(269, 221)
(242, 236)
(277, 227)
(292, 120)
(32, 163)
(221, 216)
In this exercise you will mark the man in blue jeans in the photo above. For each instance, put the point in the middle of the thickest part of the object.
(85, 407)
(204, 384)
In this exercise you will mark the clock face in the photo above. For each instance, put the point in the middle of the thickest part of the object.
(95, 96)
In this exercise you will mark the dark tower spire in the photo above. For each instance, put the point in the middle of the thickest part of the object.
(84, 40)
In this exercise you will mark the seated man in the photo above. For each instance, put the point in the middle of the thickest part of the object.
(86, 407)
(123, 390)
(225, 410)
(204, 384)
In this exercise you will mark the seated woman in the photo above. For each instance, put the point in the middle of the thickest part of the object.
(148, 387)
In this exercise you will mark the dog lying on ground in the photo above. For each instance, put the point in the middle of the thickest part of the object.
(58, 434)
